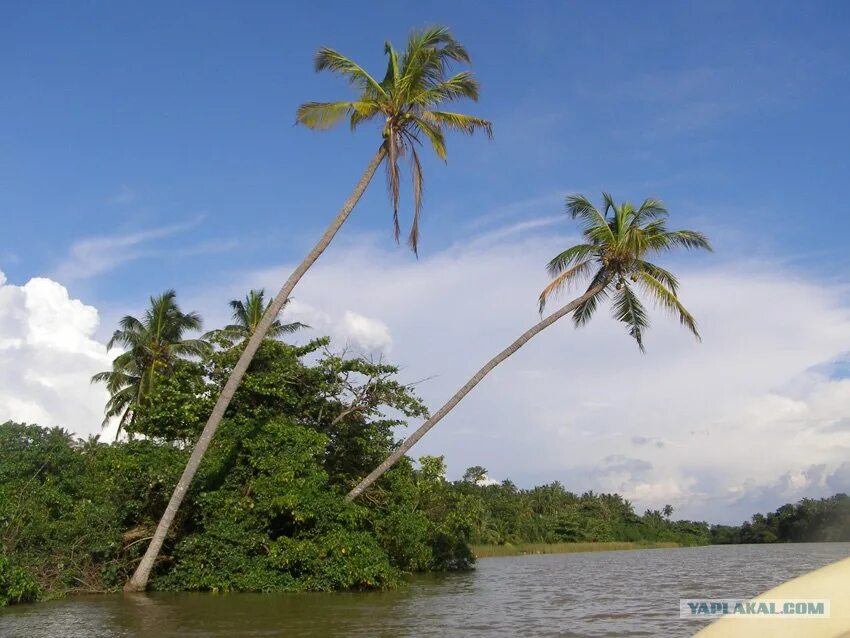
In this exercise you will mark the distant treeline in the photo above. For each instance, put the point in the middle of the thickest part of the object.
(552, 514)
(809, 520)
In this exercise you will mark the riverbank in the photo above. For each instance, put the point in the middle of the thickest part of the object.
(520, 549)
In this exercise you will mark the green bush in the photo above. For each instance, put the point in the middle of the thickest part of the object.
(16, 584)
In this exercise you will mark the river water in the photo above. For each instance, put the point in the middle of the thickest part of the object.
(624, 593)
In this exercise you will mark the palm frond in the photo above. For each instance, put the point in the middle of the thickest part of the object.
(689, 239)
(585, 311)
(434, 135)
(650, 209)
(416, 173)
(393, 178)
(664, 276)
(287, 328)
(426, 60)
(191, 347)
(459, 122)
(667, 299)
(461, 85)
(570, 257)
(323, 115)
(566, 277)
(594, 224)
(331, 60)
(393, 70)
(628, 309)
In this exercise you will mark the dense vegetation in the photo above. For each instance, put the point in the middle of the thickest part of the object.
(551, 514)
(809, 520)
(266, 511)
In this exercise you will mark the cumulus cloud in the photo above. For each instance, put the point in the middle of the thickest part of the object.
(352, 330)
(47, 356)
(369, 334)
(754, 416)
(746, 406)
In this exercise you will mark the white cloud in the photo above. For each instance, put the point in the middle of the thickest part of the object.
(348, 328)
(700, 422)
(753, 417)
(47, 356)
(92, 256)
(368, 334)
(485, 480)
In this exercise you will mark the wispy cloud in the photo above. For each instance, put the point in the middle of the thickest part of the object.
(506, 232)
(93, 256)
(547, 203)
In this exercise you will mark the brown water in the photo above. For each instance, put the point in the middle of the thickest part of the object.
(628, 593)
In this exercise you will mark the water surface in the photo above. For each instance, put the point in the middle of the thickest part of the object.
(624, 593)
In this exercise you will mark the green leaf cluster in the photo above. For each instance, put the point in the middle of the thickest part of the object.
(267, 510)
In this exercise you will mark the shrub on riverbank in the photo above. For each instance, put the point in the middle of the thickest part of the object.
(16, 584)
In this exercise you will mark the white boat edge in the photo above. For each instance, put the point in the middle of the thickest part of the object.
(831, 582)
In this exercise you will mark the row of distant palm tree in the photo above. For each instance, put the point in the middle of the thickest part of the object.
(407, 104)
(153, 342)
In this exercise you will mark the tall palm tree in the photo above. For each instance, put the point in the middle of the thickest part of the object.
(613, 256)
(405, 104)
(249, 312)
(152, 344)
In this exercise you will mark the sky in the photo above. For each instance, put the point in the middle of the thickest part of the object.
(146, 146)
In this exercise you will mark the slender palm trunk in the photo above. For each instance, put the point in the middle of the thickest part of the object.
(526, 336)
(139, 581)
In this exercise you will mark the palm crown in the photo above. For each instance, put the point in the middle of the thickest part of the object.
(152, 344)
(247, 314)
(415, 84)
(617, 242)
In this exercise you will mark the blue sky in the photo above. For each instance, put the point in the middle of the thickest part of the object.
(147, 145)
(122, 117)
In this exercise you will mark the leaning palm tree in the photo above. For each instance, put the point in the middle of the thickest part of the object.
(406, 105)
(248, 314)
(613, 256)
(152, 344)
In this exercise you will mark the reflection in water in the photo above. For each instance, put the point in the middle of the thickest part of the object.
(570, 595)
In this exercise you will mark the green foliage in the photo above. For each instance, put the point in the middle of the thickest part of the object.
(16, 584)
(247, 314)
(617, 241)
(266, 511)
(407, 103)
(503, 514)
(153, 345)
(809, 520)
(71, 512)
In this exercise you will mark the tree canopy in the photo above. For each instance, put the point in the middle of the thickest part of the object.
(407, 103)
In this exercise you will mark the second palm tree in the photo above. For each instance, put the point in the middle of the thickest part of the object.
(617, 241)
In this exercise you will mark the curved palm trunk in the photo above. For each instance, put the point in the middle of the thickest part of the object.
(526, 336)
(139, 581)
